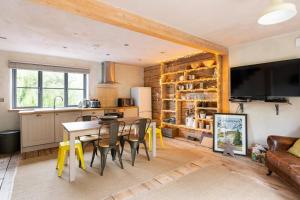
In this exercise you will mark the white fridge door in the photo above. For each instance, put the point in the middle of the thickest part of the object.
(142, 98)
(145, 115)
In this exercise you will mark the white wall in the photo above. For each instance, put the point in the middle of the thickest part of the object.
(262, 119)
(127, 76)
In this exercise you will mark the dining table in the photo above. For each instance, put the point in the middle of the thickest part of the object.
(73, 130)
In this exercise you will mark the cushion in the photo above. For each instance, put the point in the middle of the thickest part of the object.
(295, 149)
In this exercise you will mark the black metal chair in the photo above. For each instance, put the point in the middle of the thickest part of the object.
(112, 144)
(135, 139)
(88, 139)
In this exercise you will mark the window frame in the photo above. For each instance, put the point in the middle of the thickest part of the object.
(40, 89)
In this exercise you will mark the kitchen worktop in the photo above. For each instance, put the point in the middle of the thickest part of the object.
(67, 109)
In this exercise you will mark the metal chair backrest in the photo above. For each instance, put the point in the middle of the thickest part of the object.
(143, 125)
(113, 129)
(86, 118)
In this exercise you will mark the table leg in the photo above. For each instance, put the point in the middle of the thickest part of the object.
(72, 161)
(153, 124)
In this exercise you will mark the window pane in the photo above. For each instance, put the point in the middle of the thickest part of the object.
(75, 81)
(27, 97)
(75, 96)
(27, 78)
(53, 80)
(50, 94)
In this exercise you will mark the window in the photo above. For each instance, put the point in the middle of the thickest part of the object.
(37, 89)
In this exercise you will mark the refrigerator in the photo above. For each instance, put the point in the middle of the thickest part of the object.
(142, 99)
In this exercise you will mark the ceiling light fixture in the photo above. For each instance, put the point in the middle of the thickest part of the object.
(279, 11)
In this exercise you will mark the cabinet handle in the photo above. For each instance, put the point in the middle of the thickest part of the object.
(93, 113)
(38, 115)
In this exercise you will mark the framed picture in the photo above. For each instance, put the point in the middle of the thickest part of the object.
(232, 129)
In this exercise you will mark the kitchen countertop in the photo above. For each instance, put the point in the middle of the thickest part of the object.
(67, 109)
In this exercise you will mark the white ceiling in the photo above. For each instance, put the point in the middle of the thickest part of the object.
(38, 29)
(226, 22)
(35, 28)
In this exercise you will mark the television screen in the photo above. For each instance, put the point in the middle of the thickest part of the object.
(275, 79)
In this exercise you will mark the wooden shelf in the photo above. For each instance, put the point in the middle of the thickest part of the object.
(207, 108)
(187, 127)
(190, 81)
(196, 100)
(169, 99)
(170, 111)
(189, 70)
(211, 84)
(199, 90)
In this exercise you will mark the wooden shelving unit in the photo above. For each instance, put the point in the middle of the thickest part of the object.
(190, 86)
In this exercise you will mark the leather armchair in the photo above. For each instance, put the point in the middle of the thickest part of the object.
(281, 162)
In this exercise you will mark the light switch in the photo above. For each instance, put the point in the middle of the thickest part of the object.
(1, 99)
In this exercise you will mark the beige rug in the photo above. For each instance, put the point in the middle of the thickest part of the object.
(212, 176)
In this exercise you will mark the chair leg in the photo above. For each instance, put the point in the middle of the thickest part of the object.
(62, 162)
(58, 157)
(161, 139)
(95, 147)
(120, 157)
(122, 142)
(104, 153)
(133, 146)
(146, 149)
(81, 158)
(113, 154)
(93, 156)
(137, 149)
(150, 140)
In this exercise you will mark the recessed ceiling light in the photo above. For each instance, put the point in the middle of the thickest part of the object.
(278, 12)
(126, 45)
(108, 54)
(3, 38)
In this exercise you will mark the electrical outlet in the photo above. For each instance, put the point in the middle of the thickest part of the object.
(1, 99)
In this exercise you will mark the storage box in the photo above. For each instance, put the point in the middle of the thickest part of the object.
(170, 132)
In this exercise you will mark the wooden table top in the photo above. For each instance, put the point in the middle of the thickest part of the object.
(89, 125)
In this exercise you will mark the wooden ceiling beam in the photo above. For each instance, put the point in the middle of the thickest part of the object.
(99, 11)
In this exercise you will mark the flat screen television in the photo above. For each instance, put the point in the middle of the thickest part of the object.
(260, 81)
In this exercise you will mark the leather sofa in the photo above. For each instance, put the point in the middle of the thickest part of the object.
(284, 164)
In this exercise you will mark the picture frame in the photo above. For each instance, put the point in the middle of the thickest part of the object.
(230, 128)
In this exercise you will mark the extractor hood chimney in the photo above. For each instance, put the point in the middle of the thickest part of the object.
(107, 73)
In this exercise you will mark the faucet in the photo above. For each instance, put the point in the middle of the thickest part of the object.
(54, 101)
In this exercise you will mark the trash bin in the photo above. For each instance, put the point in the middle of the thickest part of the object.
(9, 141)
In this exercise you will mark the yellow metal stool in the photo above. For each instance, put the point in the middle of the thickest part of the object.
(158, 134)
(64, 147)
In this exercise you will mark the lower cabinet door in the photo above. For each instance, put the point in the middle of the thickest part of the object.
(37, 129)
(63, 117)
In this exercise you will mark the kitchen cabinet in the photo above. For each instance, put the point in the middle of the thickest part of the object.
(63, 117)
(97, 113)
(130, 112)
(37, 129)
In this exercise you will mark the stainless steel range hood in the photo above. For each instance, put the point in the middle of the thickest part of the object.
(107, 73)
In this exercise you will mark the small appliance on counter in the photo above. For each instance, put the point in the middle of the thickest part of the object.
(125, 102)
(95, 103)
